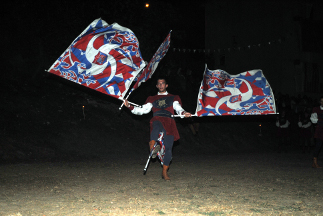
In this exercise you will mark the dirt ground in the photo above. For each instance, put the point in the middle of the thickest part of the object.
(232, 184)
(60, 158)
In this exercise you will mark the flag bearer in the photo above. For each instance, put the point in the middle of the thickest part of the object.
(163, 106)
(317, 118)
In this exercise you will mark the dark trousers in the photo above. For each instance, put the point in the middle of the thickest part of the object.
(168, 140)
(318, 146)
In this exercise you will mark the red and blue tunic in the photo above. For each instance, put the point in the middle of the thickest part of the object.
(162, 111)
(319, 127)
(163, 106)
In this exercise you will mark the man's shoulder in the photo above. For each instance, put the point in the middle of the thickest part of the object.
(175, 97)
(172, 95)
(169, 94)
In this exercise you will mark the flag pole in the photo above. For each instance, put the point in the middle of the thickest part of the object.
(225, 115)
(182, 115)
(134, 104)
(128, 96)
(129, 103)
(149, 68)
(124, 100)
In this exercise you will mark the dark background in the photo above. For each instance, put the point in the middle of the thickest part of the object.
(42, 116)
(37, 33)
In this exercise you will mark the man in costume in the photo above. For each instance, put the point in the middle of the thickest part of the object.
(305, 132)
(282, 124)
(317, 118)
(163, 106)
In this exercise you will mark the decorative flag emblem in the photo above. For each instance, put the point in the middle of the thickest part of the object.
(247, 93)
(100, 58)
(103, 57)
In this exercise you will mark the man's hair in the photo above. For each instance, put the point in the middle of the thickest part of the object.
(162, 78)
(321, 97)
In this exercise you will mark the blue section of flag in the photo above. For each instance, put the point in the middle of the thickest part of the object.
(247, 93)
(103, 57)
(152, 65)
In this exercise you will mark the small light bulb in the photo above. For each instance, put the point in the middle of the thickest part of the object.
(147, 5)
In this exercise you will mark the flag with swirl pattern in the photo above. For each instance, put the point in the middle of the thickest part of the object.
(247, 93)
(152, 65)
(103, 57)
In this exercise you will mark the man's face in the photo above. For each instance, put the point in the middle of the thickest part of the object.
(321, 101)
(161, 85)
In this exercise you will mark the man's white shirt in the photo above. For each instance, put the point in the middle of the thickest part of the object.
(146, 108)
(314, 117)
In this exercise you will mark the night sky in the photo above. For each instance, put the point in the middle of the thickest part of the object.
(45, 30)
(36, 34)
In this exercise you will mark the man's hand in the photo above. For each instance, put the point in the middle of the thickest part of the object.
(187, 114)
(126, 103)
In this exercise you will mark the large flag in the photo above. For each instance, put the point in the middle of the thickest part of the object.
(247, 93)
(103, 57)
(152, 65)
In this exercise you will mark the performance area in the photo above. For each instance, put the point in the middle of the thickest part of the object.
(231, 184)
(82, 156)
(233, 87)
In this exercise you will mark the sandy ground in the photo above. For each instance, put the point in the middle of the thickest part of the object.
(58, 158)
(229, 184)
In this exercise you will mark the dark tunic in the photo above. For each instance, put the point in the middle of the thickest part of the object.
(319, 126)
(162, 110)
(283, 132)
(305, 132)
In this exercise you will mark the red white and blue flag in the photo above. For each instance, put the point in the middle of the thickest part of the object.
(152, 65)
(247, 93)
(103, 57)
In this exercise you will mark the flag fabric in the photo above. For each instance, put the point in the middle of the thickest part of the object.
(161, 152)
(247, 93)
(152, 65)
(103, 57)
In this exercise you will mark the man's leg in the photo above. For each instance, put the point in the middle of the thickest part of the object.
(318, 147)
(168, 142)
(156, 128)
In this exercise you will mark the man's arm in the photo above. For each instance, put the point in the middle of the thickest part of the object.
(146, 108)
(314, 118)
(307, 125)
(285, 125)
(179, 109)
